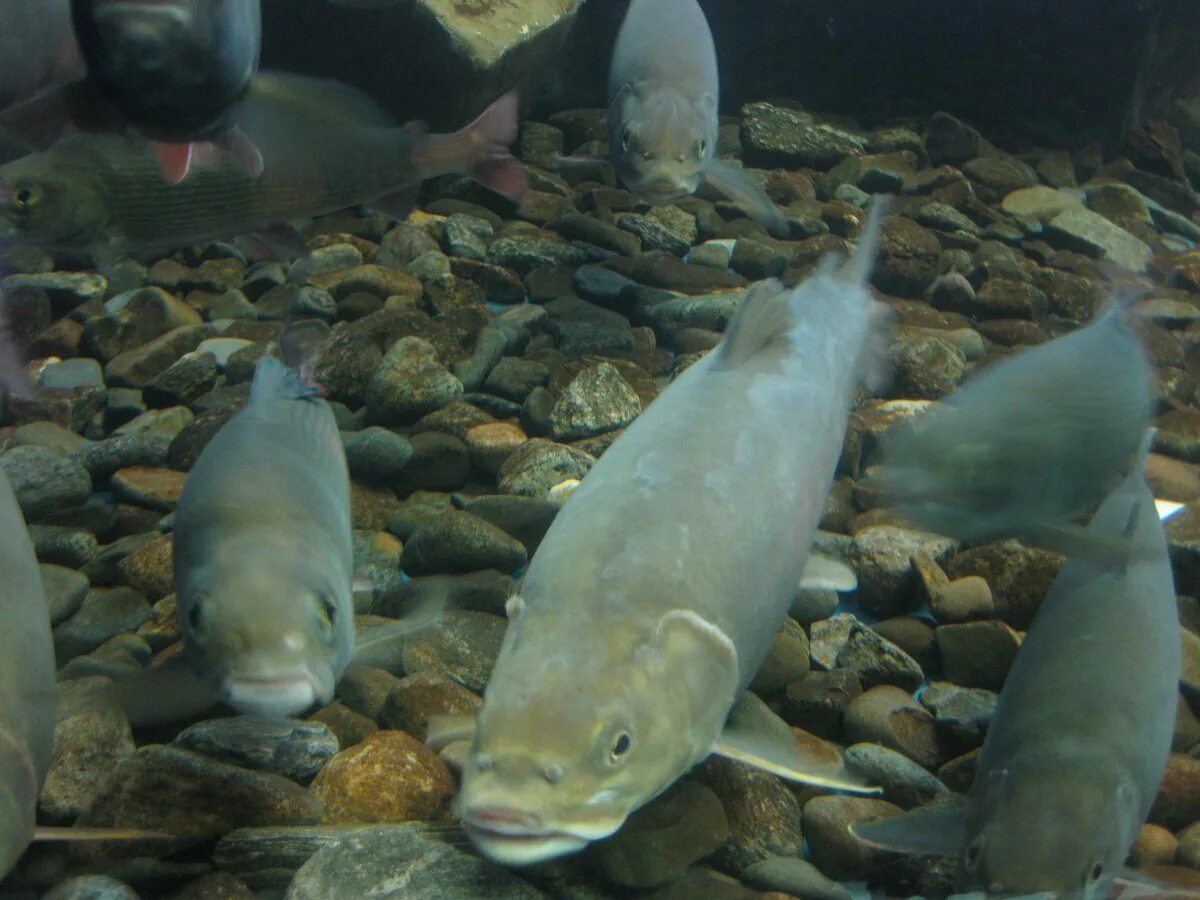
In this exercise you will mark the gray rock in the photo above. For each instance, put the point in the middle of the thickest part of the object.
(64, 588)
(655, 235)
(66, 289)
(458, 542)
(514, 378)
(961, 714)
(776, 136)
(69, 374)
(881, 556)
(949, 140)
(63, 545)
(467, 236)
(461, 645)
(1091, 233)
(709, 311)
(44, 481)
(818, 702)
(191, 376)
(525, 518)
(538, 465)
(1001, 173)
(409, 382)
(401, 861)
(91, 887)
(524, 252)
(926, 368)
(904, 782)
(597, 400)
(103, 614)
(490, 345)
(791, 875)
(288, 747)
(440, 462)
(376, 455)
(145, 448)
(977, 654)
(876, 660)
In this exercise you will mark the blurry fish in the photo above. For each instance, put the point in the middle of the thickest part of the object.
(27, 687)
(13, 377)
(663, 98)
(325, 147)
(1031, 443)
(660, 587)
(1081, 734)
(38, 50)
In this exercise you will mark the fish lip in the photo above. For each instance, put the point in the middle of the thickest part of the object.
(514, 834)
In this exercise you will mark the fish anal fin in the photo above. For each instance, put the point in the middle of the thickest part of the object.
(826, 573)
(763, 318)
(740, 187)
(938, 830)
(757, 737)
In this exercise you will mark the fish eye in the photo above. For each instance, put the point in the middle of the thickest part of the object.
(626, 137)
(328, 610)
(973, 852)
(195, 615)
(621, 746)
(1095, 873)
(24, 198)
(702, 147)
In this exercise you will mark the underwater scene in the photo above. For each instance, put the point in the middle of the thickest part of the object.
(586, 449)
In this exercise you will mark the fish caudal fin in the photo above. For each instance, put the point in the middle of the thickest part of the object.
(274, 380)
(480, 150)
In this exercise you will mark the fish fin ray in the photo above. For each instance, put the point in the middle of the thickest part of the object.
(927, 831)
(763, 318)
(381, 646)
(740, 187)
(825, 572)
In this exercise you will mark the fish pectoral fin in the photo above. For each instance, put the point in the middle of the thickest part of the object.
(826, 573)
(742, 188)
(1082, 543)
(763, 321)
(174, 161)
(442, 731)
(235, 146)
(383, 645)
(81, 833)
(163, 693)
(936, 830)
(757, 737)
(1129, 884)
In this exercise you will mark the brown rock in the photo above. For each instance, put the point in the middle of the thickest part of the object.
(389, 777)
(832, 848)
(417, 697)
(365, 689)
(156, 489)
(348, 726)
(889, 716)
(148, 569)
(1019, 577)
(1155, 846)
(763, 814)
(977, 654)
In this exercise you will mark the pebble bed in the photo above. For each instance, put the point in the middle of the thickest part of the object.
(477, 357)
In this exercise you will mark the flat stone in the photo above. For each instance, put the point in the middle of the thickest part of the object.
(1091, 233)
(288, 747)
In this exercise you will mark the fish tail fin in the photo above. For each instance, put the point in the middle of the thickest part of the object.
(275, 380)
(299, 344)
(495, 131)
(859, 268)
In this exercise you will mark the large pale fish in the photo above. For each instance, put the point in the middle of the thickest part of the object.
(657, 592)
(1080, 736)
(27, 688)
(325, 147)
(1031, 443)
(663, 97)
(262, 552)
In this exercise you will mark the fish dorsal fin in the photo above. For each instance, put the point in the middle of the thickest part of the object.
(939, 829)
(826, 573)
(757, 737)
(763, 318)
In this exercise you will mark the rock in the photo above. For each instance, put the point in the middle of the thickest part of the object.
(903, 781)
(376, 455)
(440, 462)
(664, 270)
(926, 368)
(881, 556)
(149, 568)
(91, 887)
(288, 747)
(661, 839)
(1039, 202)
(477, 591)
(1177, 803)
(888, 716)
(1019, 577)
(89, 738)
(460, 645)
(962, 714)
(672, 235)
(908, 256)
(491, 443)
(819, 701)
(977, 654)
(832, 847)
(538, 465)
(409, 382)
(401, 862)
(417, 697)
(525, 252)
(137, 366)
(775, 136)
(962, 600)
(365, 689)
(1088, 232)
(1155, 846)
(596, 401)
(389, 777)
(177, 792)
(460, 542)
(513, 377)
(763, 814)
(786, 662)
(1003, 174)
(876, 660)
(64, 589)
(44, 482)
(949, 140)
(217, 886)
(348, 726)
(104, 613)
(793, 876)
(153, 488)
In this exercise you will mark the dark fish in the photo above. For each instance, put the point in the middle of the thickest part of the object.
(38, 50)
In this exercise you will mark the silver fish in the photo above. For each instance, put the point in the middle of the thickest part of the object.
(262, 552)
(1081, 734)
(1031, 443)
(663, 97)
(660, 587)
(27, 687)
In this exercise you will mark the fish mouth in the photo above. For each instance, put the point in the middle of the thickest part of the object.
(514, 838)
(275, 695)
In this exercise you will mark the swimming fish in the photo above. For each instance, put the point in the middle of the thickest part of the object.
(174, 69)
(659, 588)
(325, 147)
(1031, 443)
(38, 50)
(663, 97)
(1082, 730)
(262, 552)
(27, 686)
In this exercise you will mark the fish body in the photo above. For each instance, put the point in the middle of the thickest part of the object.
(1030, 443)
(663, 98)
(262, 552)
(38, 50)
(325, 147)
(27, 685)
(1080, 736)
(660, 587)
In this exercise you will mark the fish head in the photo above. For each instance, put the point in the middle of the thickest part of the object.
(268, 636)
(18, 798)
(662, 141)
(1067, 834)
(576, 734)
(49, 204)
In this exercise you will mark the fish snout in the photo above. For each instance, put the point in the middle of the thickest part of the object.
(504, 820)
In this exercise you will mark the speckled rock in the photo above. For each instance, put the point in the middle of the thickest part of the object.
(926, 368)
(91, 887)
(1089, 232)
(876, 660)
(409, 382)
(376, 454)
(962, 713)
(149, 568)
(64, 588)
(417, 697)
(787, 661)
(779, 136)
(288, 747)
(104, 613)
(44, 481)
(819, 701)
(1019, 577)
(389, 777)
(460, 542)
(889, 716)
(763, 814)
(461, 645)
(908, 258)
(348, 726)
(903, 781)
(538, 465)
(597, 400)
(794, 877)
(881, 556)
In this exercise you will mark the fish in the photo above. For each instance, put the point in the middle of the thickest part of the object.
(27, 682)
(1082, 730)
(262, 552)
(38, 50)
(1031, 443)
(658, 590)
(663, 98)
(325, 147)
